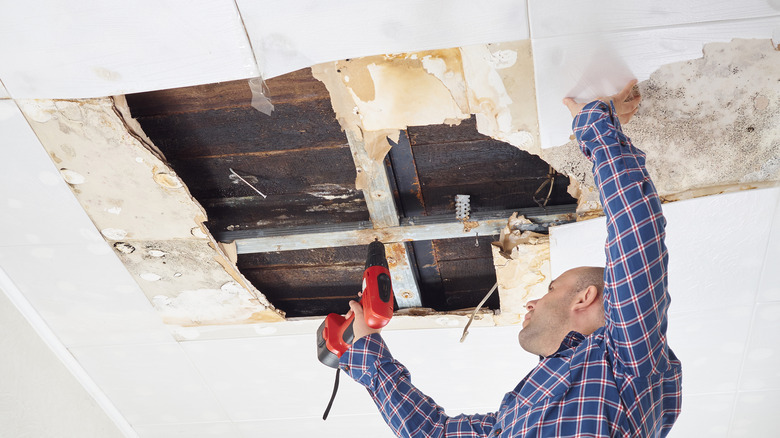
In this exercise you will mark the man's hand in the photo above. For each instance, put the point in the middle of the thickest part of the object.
(359, 327)
(626, 103)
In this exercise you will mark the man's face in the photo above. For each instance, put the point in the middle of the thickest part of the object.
(547, 320)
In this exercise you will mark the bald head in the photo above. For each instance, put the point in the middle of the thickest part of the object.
(588, 276)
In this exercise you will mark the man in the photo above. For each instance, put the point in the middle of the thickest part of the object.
(605, 368)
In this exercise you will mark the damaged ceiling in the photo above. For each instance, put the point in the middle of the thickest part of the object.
(252, 217)
(122, 123)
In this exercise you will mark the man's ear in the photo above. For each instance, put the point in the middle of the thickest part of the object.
(585, 298)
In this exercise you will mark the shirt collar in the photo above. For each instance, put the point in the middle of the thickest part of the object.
(570, 342)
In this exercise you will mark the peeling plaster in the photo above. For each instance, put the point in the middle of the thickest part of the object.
(145, 212)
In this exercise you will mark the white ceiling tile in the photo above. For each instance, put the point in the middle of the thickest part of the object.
(191, 430)
(247, 374)
(3, 93)
(476, 376)
(52, 49)
(588, 66)
(275, 377)
(84, 294)
(715, 262)
(151, 383)
(703, 415)
(349, 426)
(568, 17)
(287, 36)
(711, 356)
(755, 415)
(760, 370)
(696, 228)
(769, 286)
(38, 206)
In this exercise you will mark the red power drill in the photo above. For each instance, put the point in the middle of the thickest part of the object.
(335, 334)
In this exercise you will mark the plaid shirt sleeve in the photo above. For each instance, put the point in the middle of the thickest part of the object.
(407, 411)
(636, 299)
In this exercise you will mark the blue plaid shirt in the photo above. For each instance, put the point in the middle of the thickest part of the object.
(620, 381)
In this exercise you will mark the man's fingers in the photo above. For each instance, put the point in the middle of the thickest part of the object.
(626, 91)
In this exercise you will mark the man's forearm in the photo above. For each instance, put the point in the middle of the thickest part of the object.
(407, 411)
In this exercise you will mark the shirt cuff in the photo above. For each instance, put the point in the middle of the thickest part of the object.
(361, 359)
(596, 120)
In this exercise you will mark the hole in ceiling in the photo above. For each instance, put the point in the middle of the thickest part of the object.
(299, 157)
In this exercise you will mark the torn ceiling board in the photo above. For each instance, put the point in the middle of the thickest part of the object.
(292, 35)
(145, 212)
(58, 50)
(588, 66)
(566, 17)
(493, 81)
(132, 194)
(500, 86)
(705, 125)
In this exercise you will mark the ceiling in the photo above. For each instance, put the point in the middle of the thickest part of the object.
(205, 354)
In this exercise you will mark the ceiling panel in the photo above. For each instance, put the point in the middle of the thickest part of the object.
(151, 383)
(706, 414)
(567, 17)
(714, 361)
(588, 66)
(189, 430)
(288, 36)
(769, 287)
(273, 378)
(52, 49)
(3, 92)
(760, 371)
(755, 415)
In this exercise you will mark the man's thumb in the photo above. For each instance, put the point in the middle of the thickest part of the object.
(357, 309)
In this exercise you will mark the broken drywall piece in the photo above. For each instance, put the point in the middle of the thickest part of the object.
(706, 125)
(139, 204)
(523, 274)
(511, 235)
(500, 87)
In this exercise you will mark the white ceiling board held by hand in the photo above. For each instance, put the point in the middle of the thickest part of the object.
(287, 36)
(52, 49)
(592, 65)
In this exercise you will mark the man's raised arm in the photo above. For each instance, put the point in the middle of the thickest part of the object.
(636, 299)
